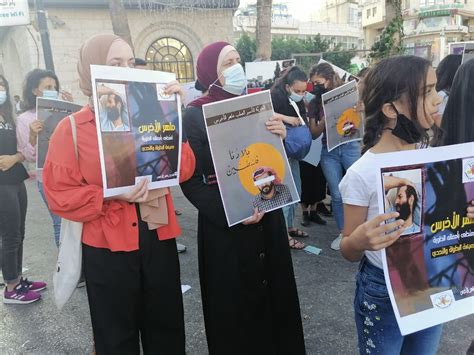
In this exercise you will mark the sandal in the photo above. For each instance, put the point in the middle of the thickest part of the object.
(298, 234)
(296, 244)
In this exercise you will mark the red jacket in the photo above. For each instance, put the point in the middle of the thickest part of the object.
(74, 188)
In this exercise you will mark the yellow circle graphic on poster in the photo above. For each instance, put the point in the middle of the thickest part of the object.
(348, 123)
(255, 157)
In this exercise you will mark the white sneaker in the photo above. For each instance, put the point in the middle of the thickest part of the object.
(336, 243)
(181, 248)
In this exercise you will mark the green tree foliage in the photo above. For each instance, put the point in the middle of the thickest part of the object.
(340, 58)
(284, 48)
(390, 42)
(247, 47)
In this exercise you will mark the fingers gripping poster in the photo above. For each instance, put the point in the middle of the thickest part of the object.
(138, 128)
(429, 270)
(250, 162)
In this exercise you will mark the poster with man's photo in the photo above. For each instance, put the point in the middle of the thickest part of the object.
(138, 127)
(343, 121)
(262, 75)
(429, 270)
(251, 166)
(50, 112)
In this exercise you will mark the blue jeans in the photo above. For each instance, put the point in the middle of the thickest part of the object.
(290, 211)
(334, 163)
(377, 327)
(55, 218)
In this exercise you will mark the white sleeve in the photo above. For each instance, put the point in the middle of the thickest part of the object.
(354, 190)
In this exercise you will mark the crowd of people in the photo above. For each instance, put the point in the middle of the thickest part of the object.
(249, 294)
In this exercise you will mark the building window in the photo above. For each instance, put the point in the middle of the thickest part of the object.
(368, 13)
(170, 55)
(374, 11)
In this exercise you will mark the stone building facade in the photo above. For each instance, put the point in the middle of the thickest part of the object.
(169, 37)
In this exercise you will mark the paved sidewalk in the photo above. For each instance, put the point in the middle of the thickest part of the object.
(325, 284)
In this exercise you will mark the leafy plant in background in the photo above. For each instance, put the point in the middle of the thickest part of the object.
(247, 48)
(283, 48)
(390, 42)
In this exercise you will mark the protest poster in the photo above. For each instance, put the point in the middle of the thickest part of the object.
(50, 112)
(190, 92)
(429, 270)
(262, 75)
(343, 122)
(251, 167)
(138, 128)
(457, 47)
(468, 53)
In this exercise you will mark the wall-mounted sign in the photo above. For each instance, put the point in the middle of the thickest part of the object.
(14, 13)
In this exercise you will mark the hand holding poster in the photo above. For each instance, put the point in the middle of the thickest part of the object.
(138, 127)
(190, 92)
(343, 121)
(429, 270)
(50, 112)
(250, 162)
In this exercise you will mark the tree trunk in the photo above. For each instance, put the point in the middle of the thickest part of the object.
(118, 16)
(263, 30)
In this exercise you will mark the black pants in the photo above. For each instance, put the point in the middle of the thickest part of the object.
(14, 202)
(136, 295)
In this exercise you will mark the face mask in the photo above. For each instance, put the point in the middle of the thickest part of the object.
(3, 97)
(309, 96)
(295, 97)
(405, 129)
(319, 89)
(50, 94)
(235, 80)
(113, 113)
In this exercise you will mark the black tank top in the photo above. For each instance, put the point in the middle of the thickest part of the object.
(17, 173)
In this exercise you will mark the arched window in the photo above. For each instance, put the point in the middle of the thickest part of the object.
(169, 54)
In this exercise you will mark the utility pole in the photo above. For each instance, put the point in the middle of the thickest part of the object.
(43, 30)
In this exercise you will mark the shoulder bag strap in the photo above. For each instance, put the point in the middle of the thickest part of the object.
(74, 135)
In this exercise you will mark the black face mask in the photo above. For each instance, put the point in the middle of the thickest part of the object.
(405, 129)
(319, 89)
(113, 113)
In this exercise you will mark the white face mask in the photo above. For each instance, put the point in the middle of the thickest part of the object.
(50, 94)
(235, 80)
(3, 97)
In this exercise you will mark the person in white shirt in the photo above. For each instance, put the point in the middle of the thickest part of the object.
(401, 104)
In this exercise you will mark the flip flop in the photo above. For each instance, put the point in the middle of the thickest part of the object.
(297, 233)
(296, 244)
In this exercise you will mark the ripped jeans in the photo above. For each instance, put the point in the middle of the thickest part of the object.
(377, 327)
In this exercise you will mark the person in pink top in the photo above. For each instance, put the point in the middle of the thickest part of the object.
(38, 83)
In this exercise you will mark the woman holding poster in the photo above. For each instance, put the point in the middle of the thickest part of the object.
(130, 258)
(248, 289)
(45, 84)
(401, 105)
(339, 159)
(287, 99)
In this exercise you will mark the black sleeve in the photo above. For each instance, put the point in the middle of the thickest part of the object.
(278, 103)
(206, 198)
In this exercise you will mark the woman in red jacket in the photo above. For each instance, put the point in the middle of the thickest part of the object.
(131, 266)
